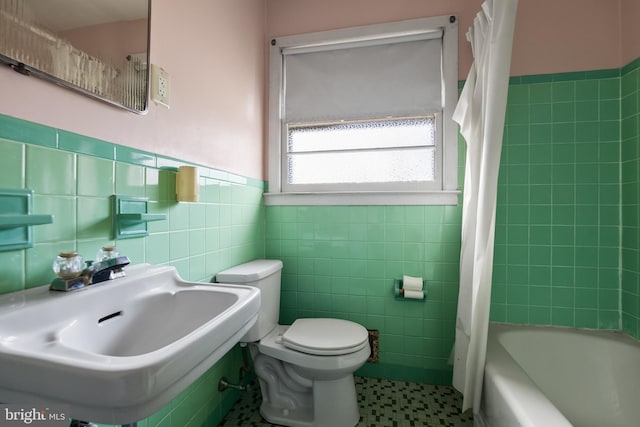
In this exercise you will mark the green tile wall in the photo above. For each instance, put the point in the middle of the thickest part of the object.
(73, 176)
(340, 261)
(558, 219)
(630, 178)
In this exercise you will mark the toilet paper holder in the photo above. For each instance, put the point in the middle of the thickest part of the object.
(399, 293)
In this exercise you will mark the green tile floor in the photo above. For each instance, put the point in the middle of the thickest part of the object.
(383, 403)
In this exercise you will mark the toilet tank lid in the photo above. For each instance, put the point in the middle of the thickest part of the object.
(250, 271)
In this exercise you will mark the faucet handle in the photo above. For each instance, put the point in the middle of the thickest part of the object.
(95, 272)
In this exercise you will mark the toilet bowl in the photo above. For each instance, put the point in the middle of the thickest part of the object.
(305, 369)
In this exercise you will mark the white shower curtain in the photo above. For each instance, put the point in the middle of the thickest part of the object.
(480, 113)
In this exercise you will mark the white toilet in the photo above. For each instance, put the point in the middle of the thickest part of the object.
(306, 369)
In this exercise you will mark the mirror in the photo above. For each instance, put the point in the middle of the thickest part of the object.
(97, 47)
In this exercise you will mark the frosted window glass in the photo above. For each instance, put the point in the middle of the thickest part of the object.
(398, 150)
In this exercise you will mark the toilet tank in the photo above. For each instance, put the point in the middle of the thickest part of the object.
(264, 274)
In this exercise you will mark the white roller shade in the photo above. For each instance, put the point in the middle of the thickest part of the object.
(397, 77)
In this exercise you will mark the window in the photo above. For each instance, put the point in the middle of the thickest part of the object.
(361, 152)
(363, 115)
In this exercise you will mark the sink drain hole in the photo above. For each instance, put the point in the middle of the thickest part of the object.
(110, 316)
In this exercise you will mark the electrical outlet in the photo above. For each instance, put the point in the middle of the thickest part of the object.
(160, 86)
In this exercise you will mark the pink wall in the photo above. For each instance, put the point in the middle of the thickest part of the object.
(551, 36)
(213, 50)
(630, 29)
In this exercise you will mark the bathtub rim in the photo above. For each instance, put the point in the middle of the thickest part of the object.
(503, 373)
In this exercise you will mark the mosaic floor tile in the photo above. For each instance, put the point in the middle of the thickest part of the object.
(383, 403)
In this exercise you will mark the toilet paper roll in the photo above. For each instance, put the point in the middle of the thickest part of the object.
(413, 294)
(412, 283)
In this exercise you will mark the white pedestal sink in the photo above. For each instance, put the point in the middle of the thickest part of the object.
(118, 351)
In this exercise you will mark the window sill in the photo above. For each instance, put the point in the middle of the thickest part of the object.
(363, 198)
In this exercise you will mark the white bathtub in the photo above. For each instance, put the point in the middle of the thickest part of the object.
(557, 377)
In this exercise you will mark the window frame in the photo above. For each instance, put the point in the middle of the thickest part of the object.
(446, 166)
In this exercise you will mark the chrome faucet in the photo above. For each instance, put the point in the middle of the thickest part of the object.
(95, 272)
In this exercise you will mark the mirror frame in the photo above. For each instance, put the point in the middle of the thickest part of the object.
(29, 70)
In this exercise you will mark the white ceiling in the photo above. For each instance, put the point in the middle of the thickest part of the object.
(58, 15)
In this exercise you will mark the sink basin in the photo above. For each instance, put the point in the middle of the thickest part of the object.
(118, 351)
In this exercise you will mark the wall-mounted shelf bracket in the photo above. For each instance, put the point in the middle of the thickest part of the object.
(17, 219)
(130, 216)
(141, 217)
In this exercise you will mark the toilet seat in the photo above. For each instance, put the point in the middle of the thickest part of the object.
(272, 346)
(325, 337)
